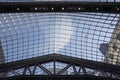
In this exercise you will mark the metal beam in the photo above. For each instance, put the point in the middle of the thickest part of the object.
(60, 58)
(56, 77)
(64, 69)
(45, 70)
(59, 6)
(22, 63)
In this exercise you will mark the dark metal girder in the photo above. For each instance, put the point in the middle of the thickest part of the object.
(59, 6)
(24, 63)
(60, 58)
(64, 69)
(57, 77)
(45, 70)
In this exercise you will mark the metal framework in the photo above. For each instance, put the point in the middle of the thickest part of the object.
(85, 67)
(56, 77)
(59, 6)
(82, 69)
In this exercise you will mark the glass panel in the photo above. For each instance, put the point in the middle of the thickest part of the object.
(81, 35)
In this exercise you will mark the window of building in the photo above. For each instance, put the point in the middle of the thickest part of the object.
(119, 50)
(115, 47)
(111, 56)
(117, 63)
(118, 36)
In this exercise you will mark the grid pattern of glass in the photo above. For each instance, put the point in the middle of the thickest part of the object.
(84, 35)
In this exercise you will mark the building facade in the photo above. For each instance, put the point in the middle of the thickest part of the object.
(111, 50)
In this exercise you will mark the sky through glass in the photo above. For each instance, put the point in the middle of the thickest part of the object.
(27, 35)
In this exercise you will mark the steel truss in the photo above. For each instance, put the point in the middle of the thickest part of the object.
(79, 66)
(59, 6)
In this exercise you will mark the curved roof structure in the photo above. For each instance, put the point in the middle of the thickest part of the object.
(90, 36)
(26, 35)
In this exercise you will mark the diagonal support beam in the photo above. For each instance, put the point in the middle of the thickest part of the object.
(45, 70)
(84, 70)
(15, 73)
(64, 69)
(75, 71)
(25, 70)
(34, 69)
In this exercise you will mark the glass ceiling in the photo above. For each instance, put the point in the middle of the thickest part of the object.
(91, 36)
(27, 35)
